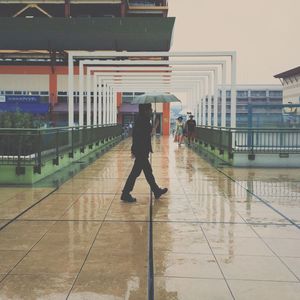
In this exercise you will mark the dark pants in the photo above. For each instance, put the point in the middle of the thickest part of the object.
(141, 164)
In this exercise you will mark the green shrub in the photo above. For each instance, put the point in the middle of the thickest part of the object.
(16, 120)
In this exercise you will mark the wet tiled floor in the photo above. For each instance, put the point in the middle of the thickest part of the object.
(217, 234)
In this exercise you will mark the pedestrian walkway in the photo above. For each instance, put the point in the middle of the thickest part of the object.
(219, 233)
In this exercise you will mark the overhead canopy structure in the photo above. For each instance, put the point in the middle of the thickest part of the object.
(105, 73)
(130, 34)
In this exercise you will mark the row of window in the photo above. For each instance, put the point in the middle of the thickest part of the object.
(241, 94)
(259, 94)
(30, 93)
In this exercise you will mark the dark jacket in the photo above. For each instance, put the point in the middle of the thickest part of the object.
(141, 137)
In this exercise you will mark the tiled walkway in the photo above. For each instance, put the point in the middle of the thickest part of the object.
(212, 238)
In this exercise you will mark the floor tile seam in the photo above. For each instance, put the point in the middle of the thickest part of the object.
(28, 251)
(158, 250)
(184, 277)
(88, 253)
(219, 254)
(95, 221)
(258, 197)
(276, 255)
(90, 193)
(7, 199)
(54, 222)
(40, 274)
(84, 261)
(157, 221)
(265, 280)
(233, 223)
(77, 200)
(189, 277)
(289, 256)
(219, 266)
(67, 208)
(245, 220)
(27, 209)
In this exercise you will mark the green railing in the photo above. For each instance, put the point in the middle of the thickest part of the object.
(250, 140)
(220, 138)
(34, 147)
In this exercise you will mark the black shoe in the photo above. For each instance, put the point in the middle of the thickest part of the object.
(127, 198)
(160, 192)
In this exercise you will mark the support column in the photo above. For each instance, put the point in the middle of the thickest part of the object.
(53, 88)
(123, 8)
(88, 98)
(111, 106)
(209, 101)
(216, 96)
(199, 121)
(67, 9)
(166, 119)
(223, 100)
(81, 102)
(119, 103)
(70, 91)
(100, 101)
(95, 104)
(104, 105)
(233, 91)
(204, 103)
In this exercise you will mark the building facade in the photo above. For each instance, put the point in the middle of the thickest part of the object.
(290, 81)
(39, 34)
(257, 105)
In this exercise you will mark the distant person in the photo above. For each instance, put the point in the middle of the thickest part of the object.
(179, 130)
(140, 149)
(190, 127)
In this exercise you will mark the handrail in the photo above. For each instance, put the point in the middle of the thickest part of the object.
(251, 140)
(55, 128)
(35, 146)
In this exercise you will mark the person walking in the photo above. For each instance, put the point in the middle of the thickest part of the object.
(140, 149)
(179, 130)
(190, 127)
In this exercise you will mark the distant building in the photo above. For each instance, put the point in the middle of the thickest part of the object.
(264, 100)
(290, 81)
(38, 35)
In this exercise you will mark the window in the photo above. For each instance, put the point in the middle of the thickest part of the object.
(258, 94)
(35, 93)
(242, 94)
(275, 94)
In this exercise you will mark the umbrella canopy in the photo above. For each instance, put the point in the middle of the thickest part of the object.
(154, 98)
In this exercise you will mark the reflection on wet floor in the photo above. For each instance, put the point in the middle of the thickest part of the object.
(212, 239)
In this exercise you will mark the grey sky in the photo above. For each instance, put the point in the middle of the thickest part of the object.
(265, 33)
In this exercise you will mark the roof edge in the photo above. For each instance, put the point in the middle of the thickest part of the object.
(288, 73)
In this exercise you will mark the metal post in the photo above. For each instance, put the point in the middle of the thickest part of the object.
(100, 101)
(104, 104)
(233, 91)
(70, 90)
(200, 104)
(223, 100)
(216, 96)
(111, 106)
(88, 98)
(81, 105)
(95, 106)
(204, 104)
(209, 101)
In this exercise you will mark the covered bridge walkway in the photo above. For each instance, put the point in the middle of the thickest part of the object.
(219, 233)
